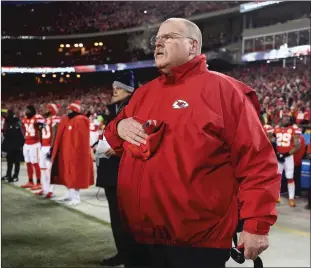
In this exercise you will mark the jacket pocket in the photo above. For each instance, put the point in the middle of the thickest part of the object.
(146, 151)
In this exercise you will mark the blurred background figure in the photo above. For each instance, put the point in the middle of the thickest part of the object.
(107, 172)
(49, 128)
(31, 124)
(13, 145)
(308, 206)
(72, 164)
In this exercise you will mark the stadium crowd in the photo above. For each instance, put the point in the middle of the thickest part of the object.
(93, 99)
(279, 90)
(85, 17)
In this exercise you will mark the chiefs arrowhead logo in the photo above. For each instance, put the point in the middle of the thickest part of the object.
(180, 104)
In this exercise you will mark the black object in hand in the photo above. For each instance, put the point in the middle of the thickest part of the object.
(39, 125)
(281, 157)
(237, 254)
(49, 154)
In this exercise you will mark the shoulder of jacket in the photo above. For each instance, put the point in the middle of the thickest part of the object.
(228, 84)
(144, 89)
(222, 79)
(148, 86)
(83, 117)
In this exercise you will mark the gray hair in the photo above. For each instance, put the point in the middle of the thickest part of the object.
(192, 30)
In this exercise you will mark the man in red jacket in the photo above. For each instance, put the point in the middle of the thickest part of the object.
(193, 152)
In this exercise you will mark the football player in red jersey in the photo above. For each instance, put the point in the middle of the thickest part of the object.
(31, 150)
(287, 143)
(48, 134)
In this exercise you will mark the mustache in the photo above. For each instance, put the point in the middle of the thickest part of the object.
(158, 52)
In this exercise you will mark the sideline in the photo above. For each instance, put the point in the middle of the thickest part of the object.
(280, 227)
(292, 230)
(87, 216)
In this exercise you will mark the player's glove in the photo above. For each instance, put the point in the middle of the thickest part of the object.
(49, 154)
(40, 125)
(281, 157)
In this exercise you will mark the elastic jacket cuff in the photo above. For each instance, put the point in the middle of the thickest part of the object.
(256, 227)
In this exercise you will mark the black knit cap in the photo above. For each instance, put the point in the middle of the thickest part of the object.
(126, 81)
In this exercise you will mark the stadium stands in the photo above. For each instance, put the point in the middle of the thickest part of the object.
(279, 89)
(87, 17)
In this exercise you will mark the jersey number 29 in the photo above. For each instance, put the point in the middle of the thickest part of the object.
(283, 139)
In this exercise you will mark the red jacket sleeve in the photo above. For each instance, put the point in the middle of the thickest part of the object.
(255, 163)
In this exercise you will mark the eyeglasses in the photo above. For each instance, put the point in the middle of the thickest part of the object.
(165, 37)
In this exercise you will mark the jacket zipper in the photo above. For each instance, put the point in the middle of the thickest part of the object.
(140, 209)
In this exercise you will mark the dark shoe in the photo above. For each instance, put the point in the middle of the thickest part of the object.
(15, 178)
(113, 261)
(308, 207)
(4, 178)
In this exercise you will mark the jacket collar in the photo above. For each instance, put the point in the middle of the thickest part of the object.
(192, 67)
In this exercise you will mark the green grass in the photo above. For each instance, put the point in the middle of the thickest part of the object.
(42, 233)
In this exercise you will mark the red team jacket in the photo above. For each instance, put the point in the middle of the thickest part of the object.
(71, 156)
(213, 157)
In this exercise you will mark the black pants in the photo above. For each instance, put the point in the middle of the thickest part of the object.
(13, 157)
(116, 224)
(185, 257)
(131, 252)
(297, 178)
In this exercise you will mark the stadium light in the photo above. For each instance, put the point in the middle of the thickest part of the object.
(43, 75)
(78, 75)
(100, 43)
(76, 45)
(80, 45)
(61, 45)
(96, 44)
(67, 45)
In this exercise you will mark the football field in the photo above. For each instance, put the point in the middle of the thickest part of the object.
(46, 234)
